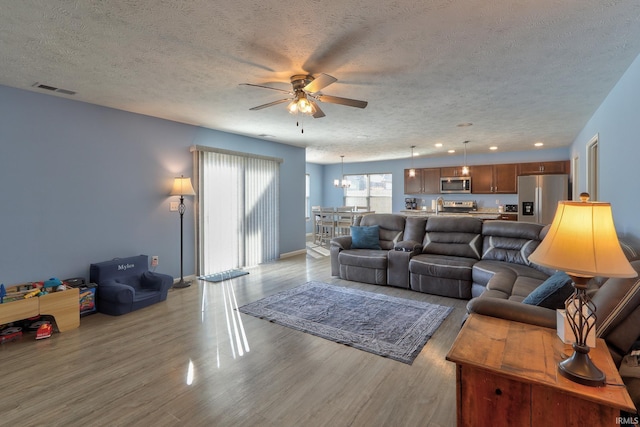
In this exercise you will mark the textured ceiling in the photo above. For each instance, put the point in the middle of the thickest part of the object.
(521, 71)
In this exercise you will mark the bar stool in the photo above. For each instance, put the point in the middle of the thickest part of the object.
(315, 213)
(327, 225)
(344, 220)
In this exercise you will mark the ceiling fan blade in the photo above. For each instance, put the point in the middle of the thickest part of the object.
(342, 101)
(267, 87)
(270, 104)
(319, 113)
(319, 83)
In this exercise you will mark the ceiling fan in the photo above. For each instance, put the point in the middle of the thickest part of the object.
(306, 93)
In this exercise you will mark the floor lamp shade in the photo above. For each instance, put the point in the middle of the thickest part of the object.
(582, 241)
(182, 187)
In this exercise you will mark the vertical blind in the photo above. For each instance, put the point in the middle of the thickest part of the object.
(238, 210)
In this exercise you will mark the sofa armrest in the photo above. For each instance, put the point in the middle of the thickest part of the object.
(341, 242)
(156, 281)
(513, 310)
(111, 290)
(408, 246)
(338, 244)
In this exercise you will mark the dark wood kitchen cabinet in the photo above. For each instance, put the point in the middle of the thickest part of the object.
(451, 171)
(494, 179)
(537, 168)
(426, 181)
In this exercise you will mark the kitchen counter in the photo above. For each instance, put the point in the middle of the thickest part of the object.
(428, 213)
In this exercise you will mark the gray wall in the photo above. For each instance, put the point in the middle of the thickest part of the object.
(82, 184)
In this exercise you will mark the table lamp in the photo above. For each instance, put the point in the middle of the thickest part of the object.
(182, 187)
(582, 241)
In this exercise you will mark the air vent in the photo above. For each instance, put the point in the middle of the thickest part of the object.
(53, 89)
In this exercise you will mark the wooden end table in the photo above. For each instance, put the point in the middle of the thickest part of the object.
(507, 375)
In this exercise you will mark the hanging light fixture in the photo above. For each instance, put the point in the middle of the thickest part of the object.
(412, 171)
(341, 182)
(465, 168)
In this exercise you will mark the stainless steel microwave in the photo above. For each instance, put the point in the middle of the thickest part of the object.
(455, 184)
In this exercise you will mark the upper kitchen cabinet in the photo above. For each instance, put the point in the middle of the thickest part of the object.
(426, 181)
(452, 171)
(494, 179)
(537, 168)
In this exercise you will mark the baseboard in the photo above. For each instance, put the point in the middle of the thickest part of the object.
(190, 278)
(294, 253)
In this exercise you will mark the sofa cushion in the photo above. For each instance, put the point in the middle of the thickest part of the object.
(368, 258)
(552, 293)
(505, 280)
(510, 241)
(455, 236)
(445, 266)
(365, 237)
(391, 228)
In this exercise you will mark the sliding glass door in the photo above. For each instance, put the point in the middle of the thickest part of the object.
(238, 213)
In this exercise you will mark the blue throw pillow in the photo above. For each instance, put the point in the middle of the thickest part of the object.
(365, 237)
(552, 293)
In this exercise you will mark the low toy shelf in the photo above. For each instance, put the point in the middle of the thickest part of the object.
(63, 306)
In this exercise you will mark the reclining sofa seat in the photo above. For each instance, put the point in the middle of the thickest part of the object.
(450, 248)
(505, 270)
(126, 284)
(370, 265)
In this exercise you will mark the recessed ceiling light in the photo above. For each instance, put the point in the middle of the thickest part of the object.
(439, 144)
(493, 148)
(451, 151)
(362, 136)
(266, 135)
(538, 144)
(464, 125)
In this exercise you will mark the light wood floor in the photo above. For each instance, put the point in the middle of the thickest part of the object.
(134, 370)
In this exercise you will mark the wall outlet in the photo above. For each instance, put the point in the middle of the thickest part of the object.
(173, 206)
(154, 261)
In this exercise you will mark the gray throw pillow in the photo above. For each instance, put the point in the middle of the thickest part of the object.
(552, 293)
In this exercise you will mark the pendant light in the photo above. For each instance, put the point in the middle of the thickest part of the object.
(412, 171)
(343, 183)
(465, 168)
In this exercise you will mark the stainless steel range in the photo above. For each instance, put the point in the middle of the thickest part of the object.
(459, 206)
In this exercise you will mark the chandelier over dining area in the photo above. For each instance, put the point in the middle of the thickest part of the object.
(341, 183)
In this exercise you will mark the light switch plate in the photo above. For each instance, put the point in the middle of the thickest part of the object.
(173, 207)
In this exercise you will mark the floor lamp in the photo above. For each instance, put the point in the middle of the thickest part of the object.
(182, 187)
(582, 241)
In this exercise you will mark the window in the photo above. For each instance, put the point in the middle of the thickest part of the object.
(372, 191)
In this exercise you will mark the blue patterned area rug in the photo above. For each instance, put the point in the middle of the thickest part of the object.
(224, 275)
(388, 326)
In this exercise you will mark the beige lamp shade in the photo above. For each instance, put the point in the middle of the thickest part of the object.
(582, 241)
(182, 187)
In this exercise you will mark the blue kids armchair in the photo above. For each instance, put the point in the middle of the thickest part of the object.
(126, 284)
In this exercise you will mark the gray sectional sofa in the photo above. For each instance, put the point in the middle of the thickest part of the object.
(453, 256)
(486, 262)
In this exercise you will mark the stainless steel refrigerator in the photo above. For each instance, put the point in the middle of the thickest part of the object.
(538, 196)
